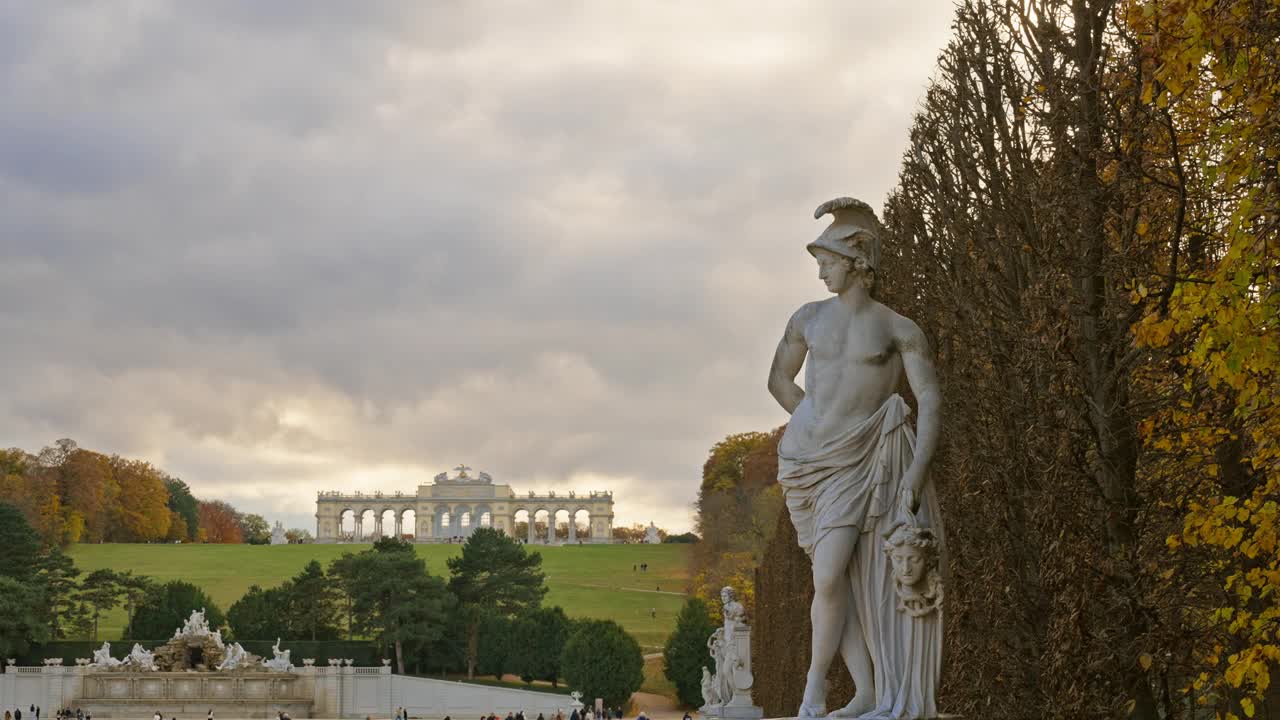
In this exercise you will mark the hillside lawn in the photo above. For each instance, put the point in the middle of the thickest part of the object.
(593, 581)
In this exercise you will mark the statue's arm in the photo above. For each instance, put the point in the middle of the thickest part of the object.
(917, 360)
(787, 361)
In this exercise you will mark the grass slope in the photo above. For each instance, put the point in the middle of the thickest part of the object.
(595, 581)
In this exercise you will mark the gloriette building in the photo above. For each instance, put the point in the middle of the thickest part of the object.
(453, 507)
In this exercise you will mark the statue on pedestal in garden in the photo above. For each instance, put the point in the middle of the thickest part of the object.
(855, 479)
(727, 694)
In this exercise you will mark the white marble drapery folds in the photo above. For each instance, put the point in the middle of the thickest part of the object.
(854, 481)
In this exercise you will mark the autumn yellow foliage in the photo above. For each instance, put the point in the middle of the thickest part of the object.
(1212, 69)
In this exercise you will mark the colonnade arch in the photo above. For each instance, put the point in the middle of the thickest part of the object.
(454, 506)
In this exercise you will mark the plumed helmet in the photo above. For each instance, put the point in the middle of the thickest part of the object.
(854, 231)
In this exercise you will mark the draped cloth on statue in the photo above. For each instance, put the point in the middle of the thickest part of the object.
(853, 481)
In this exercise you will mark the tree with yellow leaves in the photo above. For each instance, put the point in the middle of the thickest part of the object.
(1211, 70)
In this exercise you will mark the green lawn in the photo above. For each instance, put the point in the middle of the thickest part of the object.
(586, 580)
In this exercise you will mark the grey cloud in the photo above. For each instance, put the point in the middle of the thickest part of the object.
(281, 247)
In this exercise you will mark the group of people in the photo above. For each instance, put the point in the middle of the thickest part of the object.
(34, 712)
(586, 714)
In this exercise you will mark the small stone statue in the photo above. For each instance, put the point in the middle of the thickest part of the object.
(281, 660)
(914, 553)
(651, 534)
(709, 694)
(732, 609)
(102, 658)
(195, 626)
(140, 658)
(727, 692)
(236, 657)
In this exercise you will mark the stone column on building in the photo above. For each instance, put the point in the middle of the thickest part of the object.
(532, 534)
(573, 529)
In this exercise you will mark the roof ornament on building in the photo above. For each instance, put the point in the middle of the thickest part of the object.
(464, 477)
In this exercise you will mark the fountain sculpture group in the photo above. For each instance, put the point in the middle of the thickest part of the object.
(192, 673)
(194, 647)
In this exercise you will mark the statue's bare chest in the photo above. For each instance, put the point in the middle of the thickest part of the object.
(841, 338)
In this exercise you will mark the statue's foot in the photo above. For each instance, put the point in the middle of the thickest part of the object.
(861, 704)
(808, 710)
(813, 704)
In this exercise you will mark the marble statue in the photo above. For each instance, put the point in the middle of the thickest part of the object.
(196, 625)
(102, 657)
(853, 472)
(732, 610)
(141, 658)
(281, 660)
(727, 692)
(236, 657)
(651, 534)
(709, 694)
(913, 550)
(277, 534)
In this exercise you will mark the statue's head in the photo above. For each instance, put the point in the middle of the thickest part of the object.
(914, 553)
(848, 251)
(728, 594)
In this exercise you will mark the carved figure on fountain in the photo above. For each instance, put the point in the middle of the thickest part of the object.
(194, 646)
(237, 658)
(140, 659)
(102, 658)
(280, 662)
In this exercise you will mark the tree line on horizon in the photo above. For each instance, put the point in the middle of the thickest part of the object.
(69, 494)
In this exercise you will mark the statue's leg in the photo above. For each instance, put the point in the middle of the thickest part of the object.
(857, 656)
(829, 613)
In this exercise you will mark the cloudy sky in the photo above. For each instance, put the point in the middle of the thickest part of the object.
(282, 247)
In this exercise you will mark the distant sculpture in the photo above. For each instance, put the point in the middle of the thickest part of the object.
(731, 609)
(102, 657)
(236, 657)
(195, 626)
(277, 534)
(280, 661)
(709, 694)
(140, 658)
(722, 652)
(727, 692)
(851, 470)
(651, 534)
